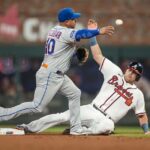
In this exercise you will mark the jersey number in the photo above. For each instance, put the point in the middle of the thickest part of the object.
(50, 46)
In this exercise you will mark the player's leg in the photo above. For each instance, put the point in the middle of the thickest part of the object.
(102, 125)
(73, 94)
(51, 120)
(46, 122)
(45, 91)
(88, 116)
(96, 122)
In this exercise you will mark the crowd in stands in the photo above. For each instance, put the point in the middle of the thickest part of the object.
(134, 13)
(86, 77)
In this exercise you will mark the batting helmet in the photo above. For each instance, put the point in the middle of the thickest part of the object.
(137, 68)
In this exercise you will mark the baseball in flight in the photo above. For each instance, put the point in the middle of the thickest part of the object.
(118, 22)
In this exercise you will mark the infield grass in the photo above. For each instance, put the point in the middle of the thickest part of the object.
(119, 131)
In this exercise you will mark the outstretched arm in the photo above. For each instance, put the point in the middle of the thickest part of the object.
(86, 34)
(95, 48)
(92, 31)
(96, 51)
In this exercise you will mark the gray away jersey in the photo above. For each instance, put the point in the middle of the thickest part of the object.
(59, 48)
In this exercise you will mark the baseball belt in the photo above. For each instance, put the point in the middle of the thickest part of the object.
(105, 114)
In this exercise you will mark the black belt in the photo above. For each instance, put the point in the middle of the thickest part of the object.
(102, 112)
(59, 72)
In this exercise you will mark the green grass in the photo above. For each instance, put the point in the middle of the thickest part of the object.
(130, 132)
(57, 129)
(121, 131)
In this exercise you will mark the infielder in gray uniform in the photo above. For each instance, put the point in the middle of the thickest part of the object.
(50, 78)
(116, 97)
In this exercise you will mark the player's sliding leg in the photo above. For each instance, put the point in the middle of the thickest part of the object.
(95, 122)
(46, 122)
(102, 126)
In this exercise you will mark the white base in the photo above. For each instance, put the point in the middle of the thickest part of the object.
(11, 131)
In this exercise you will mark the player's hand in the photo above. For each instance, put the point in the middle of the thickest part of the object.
(92, 24)
(108, 30)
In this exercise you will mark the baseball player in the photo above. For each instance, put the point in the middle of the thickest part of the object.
(50, 78)
(116, 97)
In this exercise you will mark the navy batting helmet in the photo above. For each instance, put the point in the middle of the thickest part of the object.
(137, 68)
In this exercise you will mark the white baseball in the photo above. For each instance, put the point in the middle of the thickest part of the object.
(118, 22)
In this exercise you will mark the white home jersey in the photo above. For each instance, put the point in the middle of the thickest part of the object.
(59, 48)
(116, 96)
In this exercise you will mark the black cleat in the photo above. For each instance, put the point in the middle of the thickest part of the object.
(66, 131)
(26, 130)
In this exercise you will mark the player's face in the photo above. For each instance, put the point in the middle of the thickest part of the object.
(71, 23)
(130, 75)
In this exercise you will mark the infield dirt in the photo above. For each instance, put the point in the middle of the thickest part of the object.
(66, 142)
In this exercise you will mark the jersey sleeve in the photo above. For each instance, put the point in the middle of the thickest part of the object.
(140, 105)
(108, 68)
(69, 35)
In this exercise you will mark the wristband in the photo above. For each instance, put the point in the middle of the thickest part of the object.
(145, 127)
(93, 41)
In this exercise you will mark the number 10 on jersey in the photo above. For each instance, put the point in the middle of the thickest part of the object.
(50, 46)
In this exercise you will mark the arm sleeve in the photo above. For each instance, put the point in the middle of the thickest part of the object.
(71, 35)
(140, 105)
(108, 68)
(86, 34)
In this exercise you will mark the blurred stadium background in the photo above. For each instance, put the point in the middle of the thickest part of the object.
(23, 29)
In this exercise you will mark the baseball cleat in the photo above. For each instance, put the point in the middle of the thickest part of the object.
(24, 128)
(66, 131)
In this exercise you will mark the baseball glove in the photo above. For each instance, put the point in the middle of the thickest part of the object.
(82, 55)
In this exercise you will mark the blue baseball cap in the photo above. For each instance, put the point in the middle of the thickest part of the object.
(67, 14)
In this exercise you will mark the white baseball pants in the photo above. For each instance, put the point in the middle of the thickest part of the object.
(90, 117)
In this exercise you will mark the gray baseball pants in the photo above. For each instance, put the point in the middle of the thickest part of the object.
(47, 86)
